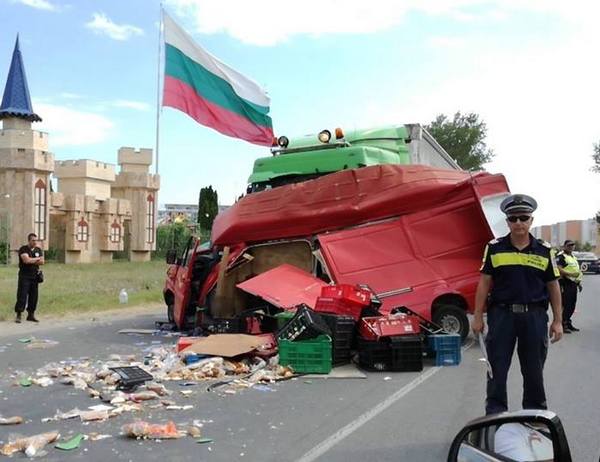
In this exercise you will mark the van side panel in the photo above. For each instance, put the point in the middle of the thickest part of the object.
(434, 252)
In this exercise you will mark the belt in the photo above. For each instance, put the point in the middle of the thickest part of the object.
(522, 307)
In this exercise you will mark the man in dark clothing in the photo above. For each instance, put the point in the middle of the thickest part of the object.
(30, 259)
(518, 279)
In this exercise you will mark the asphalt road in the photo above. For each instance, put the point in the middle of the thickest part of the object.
(386, 417)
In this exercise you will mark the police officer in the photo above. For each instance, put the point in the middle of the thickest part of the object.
(30, 259)
(522, 275)
(570, 281)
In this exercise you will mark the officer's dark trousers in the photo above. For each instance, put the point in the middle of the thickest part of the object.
(27, 295)
(569, 300)
(530, 332)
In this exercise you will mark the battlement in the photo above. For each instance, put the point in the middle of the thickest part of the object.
(132, 160)
(23, 138)
(84, 168)
(26, 159)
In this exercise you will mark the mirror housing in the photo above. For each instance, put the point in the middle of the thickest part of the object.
(560, 445)
(171, 256)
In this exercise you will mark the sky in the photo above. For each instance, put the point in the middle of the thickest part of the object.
(527, 67)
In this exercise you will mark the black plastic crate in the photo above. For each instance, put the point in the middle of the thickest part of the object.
(343, 332)
(306, 324)
(398, 354)
(131, 376)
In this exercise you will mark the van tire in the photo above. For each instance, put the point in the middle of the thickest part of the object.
(171, 314)
(453, 320)
(585, 267)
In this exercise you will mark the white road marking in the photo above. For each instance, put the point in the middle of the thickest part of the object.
(343, 432)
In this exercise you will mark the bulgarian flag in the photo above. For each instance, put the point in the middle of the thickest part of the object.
(211, 92)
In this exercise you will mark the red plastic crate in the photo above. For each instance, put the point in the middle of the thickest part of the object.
(349, 293)
(338, 306)
(343, 299)
(373, 328)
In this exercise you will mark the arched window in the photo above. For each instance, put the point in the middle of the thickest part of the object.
(115, 232)
(150, 218)
(39, 210)
(82, 233)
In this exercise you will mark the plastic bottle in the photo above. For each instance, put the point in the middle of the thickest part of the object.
(123, 297)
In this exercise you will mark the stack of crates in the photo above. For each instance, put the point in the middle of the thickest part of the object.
(343, 330)
(402, 353)
(446, 349)
(305, 343)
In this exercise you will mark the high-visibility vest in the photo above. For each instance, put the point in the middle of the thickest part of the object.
(572, 268)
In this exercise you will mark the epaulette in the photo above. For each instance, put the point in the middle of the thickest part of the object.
(493, 241)
(544, 243)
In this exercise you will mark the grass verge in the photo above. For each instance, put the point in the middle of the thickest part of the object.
(89, 287)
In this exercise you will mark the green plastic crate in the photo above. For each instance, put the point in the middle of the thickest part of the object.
(283, 318)
(307, 356)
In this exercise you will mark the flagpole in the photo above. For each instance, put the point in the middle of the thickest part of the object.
(160, 27)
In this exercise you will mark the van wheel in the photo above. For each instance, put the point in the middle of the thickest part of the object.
(171, 314)
(584, 267)
(452, 319)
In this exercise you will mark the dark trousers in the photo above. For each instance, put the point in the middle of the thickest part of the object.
(569, 299)
(27, 295)
(530, 332)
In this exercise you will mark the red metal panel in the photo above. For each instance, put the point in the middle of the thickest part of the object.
(339, 200)
(285, 286)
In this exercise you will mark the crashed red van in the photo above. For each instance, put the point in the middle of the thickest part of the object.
(412, 233)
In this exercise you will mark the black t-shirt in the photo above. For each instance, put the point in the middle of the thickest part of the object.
(25, 269)
(519, 276)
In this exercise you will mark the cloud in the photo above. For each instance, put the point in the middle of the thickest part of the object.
(127, 104)
(276, 21)
(38, 4)
(102, 24)
(72, 127)
(540, 105)
(447, 42)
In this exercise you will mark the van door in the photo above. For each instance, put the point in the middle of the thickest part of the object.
(183, 279)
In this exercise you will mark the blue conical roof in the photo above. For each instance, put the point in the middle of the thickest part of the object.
(16, 101)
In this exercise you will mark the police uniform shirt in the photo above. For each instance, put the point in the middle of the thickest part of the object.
(25, 269)
(519, 276)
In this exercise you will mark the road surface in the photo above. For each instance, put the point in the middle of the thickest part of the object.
(385, 417)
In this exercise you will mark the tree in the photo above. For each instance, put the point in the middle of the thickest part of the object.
(208, 207)
(464, 139)
(596, 158)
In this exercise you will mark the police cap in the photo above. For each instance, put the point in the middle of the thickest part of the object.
(518, 203)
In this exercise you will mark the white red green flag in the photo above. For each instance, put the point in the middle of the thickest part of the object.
(211, 92)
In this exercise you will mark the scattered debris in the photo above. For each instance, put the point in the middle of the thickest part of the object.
(40, 344)
(25, 382)
(15, 420)
(71, 444)
(204, 440)
(89, 416)
(32, 445)
(146, 430)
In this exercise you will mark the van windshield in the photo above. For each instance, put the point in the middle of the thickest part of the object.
(494, 216)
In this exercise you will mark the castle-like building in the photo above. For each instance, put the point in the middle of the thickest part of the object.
(95, 210)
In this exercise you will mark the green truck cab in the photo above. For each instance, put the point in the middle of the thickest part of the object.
(312, 156)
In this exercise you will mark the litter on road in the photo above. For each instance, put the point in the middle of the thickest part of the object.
(15, 420)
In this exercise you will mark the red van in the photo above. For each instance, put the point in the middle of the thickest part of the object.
(414, 234)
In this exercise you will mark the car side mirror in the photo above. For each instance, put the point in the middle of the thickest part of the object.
(171, 256)
(531, 435)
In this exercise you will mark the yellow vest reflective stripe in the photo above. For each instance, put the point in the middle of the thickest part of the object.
(572, 268)
(521, 259)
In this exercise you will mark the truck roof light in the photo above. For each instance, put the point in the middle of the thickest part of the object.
(283, 141)
(339, 133)
(324, 136)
